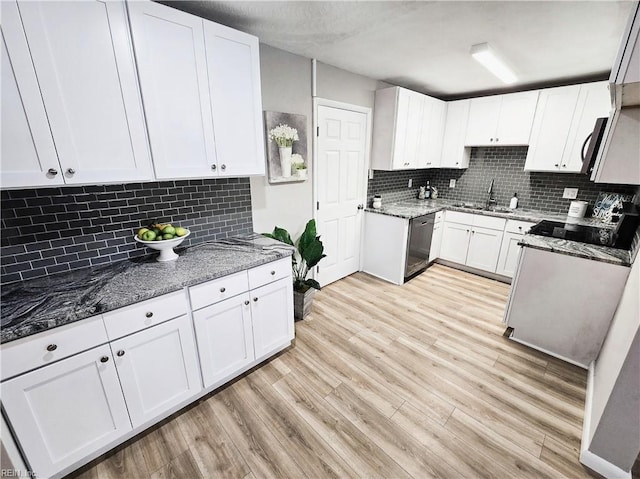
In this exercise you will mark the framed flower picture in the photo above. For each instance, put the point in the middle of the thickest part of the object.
(286, 136)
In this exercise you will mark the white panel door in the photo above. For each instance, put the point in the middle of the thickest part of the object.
(82, 56)
(455, 242)
(67, 410)
(516, 118)
(158, 368)
(551, 127)
(509, 253)
(594, 102)
(483, 120)
(272, 316)
(341, 169)
(225, 338)
(172, 64)
(484, 249)
(28, 152)
(236, 101)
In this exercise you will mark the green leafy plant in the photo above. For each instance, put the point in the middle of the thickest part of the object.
(309, 252)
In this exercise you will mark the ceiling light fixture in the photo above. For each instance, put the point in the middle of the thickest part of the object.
(484, 54)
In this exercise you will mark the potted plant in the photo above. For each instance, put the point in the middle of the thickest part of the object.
(309, 252)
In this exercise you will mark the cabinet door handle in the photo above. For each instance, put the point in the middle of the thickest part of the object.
(71, 171)
(273, 273)
(491, 139)
(223, 289)
(120, 353)
(213, 167)
(52, 171)
(255, 300)
(564, 166)
(557, 165)
(149, 314)
(497, 139)
(104, 359)
(52, 347)
(246, 302)
(223, 167)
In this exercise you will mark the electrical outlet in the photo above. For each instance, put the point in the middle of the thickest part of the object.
(410, 183)
(570, 193)
(370, 174)
(452, 183)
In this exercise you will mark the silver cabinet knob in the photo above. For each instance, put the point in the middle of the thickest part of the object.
(71, 171)
(557, 165)
(564, 166)
(223, 167)
(52, 347)
(491, 140)
(214, 167)
(273, 273)
(104, 359)
(149, 314)
(497, 139)
(223, 289)
(120, 353)
(360, 206)
(246, 303)
(255, 300)
(52, 171)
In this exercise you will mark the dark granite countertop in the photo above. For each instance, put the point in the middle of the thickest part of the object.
(413, 208)
(33, 306)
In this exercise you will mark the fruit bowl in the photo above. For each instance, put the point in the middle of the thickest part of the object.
(164, 246)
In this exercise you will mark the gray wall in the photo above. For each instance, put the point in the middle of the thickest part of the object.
(505, 165)
(286, 87)
(615, 412)
(335, 84)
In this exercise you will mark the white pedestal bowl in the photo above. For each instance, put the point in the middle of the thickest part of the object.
(165, 246)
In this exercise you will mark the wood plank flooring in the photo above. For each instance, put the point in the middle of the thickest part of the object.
(411, 381)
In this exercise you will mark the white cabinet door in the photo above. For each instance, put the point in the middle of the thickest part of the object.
(272, 316)
(455, 242)
(408, 129)
(172, 64)
(454, 154)
(516, 118)
(83, 59)
(158, 369)
(28, 152)
(509, 253)
(594, 101)
(225, 338)
(234, 78)
(484, 248)
(551, 127)
(431, 133)
(483, 121)
(436, 242)
(67, 410)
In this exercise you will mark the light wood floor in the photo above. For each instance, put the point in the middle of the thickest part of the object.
(384, 381)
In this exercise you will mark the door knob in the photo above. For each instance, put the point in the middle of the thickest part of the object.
(360, 206)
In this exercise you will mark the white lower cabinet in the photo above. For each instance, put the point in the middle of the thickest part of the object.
(225, 338)
(455, 242)
(484, 248)
(436, 239)
(509, 253)
(271, 313)
(67, 410)
(158, 369)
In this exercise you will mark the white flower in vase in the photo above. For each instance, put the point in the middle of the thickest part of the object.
(283, 135)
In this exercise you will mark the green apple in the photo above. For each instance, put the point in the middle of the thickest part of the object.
(168, 230)
(180, 231)
(141, 232)
(148, 235)
(167, 236)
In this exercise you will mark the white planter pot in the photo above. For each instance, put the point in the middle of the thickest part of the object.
(285, 161)
(302, 174)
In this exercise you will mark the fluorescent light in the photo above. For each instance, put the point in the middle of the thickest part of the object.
(484, 54)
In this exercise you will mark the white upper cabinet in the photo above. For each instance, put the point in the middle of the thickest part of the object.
(201, 90)
(172, 64)
(28, 152)
(454, 153)
(82, 55)
(564, 119)
(236, 100)
(407, 130)
(501, 120)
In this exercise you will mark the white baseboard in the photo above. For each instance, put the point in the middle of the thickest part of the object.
(550, 353)
(588, 458)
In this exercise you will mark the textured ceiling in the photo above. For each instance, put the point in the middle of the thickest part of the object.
(425, 45)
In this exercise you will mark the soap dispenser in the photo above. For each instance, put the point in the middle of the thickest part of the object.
(513, 204)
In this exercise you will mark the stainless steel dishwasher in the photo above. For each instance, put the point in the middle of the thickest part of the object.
(419, 244)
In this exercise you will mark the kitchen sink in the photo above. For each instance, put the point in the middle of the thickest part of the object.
(472, 206)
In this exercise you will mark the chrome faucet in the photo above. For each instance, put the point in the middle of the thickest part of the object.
(490, 199)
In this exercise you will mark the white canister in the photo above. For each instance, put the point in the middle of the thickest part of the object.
(577, 209)
(377, 202)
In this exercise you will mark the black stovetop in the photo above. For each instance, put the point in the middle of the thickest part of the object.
(580, 233)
